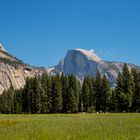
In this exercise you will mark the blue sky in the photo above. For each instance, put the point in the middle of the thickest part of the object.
(41, 31)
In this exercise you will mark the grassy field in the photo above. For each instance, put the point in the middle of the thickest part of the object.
(70, 127)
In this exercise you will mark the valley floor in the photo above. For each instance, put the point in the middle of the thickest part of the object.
(70, 127)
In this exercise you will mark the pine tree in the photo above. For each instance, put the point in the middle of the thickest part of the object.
(127, 81)
(124, 90)
(36, 104)
(136, 94)
(17, 102)
(98, 94)
(92, 98)
(27, 96)
(73, 94)
(86, 94)
(65, 86)
(7, 101)
(56, 103)
(128, 87)
(113, 102)
(118, 90)
(106, 95)
(49, 93)
(45, 95)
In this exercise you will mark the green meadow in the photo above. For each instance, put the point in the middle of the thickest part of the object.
(70, 127)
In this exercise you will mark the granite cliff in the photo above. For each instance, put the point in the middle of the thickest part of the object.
(81, 63)
(78, 62)
(14, 72)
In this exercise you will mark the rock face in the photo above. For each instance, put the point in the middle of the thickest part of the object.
(2, 48)
(78, 62)
(83, 63)
(14, 72)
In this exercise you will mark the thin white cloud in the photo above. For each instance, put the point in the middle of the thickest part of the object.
(91, 51)
(101, 52)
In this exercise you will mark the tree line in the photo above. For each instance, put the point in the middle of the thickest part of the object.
(65, 94)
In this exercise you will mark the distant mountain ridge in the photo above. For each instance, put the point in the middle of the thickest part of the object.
(78, 62)
(13, 72)
(81, 63)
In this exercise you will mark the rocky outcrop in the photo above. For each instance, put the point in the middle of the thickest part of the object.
(14, 72)
(83, 63)
(2, 48)
(15, 76)
(78, 62)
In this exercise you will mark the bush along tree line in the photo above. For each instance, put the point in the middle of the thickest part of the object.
(65, 94)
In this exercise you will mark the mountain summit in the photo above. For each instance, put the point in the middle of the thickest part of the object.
(90, 55)
(81, 63)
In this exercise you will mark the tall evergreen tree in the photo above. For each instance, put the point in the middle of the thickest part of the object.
(7, 101)
(36, 96)
(127, 81)
(45, 94)
(136, 94)
(124, 90)
(86, 94)
(65, 96)
(27, 96)
(92, 101)
(113, 102)
(98, 93)
(128, 87)
(73, 93)
(106, 95)
(118, 90)
(56, 104)
(17, 101)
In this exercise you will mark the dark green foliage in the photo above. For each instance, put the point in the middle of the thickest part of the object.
(31, 98)
(36, 102)
(128, 84)
(106, 95)
(136, 95)
(6, 101)
(65, 94)
(73, 94)
(124, 90)
(17, 102)
(98, 94)
(27, 97)
(88, 94)
(45, 94)
(113, 102)
(56, 94)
